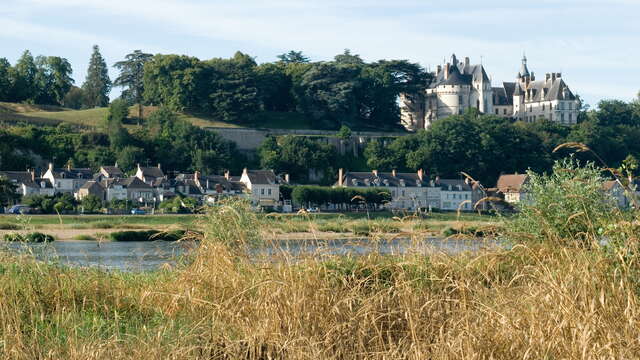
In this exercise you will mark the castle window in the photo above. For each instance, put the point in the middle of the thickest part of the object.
(497, 111)
(562, 117)
(504, 111)
(570, 117)
(550, 106)
(460, 100)
(542, 107)
(477, 104)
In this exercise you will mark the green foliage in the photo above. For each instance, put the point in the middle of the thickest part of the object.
(566, 207)
(344, 133)
(97, 84)
(8, 193)
(319, 195)
(293, 57)
(296, 155)
(179, 205)
(74, 98)
(45, 204)
(148, 235)
(35, 237)
(91, 204)
(132, 76)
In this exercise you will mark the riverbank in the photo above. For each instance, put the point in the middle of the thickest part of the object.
(273, 226)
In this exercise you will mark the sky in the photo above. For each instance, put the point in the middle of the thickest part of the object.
(594, 44)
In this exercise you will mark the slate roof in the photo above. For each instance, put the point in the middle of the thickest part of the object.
(460, 74)
(262, 177)
(91, 185)
(453, 185)
(133, 182)
(73, 173)
(548, 90)
(151, 172)
(23, 177)
(112, 171)
(512, 182)
(500, 97)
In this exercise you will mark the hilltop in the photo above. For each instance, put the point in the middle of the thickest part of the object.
(48, 115)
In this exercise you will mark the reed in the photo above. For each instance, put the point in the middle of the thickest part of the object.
(551, 297)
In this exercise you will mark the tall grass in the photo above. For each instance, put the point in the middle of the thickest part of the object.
(544, 299)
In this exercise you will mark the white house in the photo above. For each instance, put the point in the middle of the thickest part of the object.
(67, 180)
(263, 187)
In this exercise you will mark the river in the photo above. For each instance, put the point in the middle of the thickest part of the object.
(145, 256)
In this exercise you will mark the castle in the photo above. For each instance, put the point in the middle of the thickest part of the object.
(460, 85)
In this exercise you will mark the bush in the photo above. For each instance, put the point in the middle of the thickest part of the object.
(36, 237)
(566, 207)
(365, 229)
(83, 237)
(148, 235)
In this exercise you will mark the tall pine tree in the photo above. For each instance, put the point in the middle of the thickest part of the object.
(97, 85)
(131, 77)
(24, 78)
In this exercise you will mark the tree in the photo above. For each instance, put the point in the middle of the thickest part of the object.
(91, 204)
(293, 57)
(8, 192)
(129, 156)
(296, 155)
(347, 58)
(97, 85)
(176, 82)
(53, 79)
(132, 76)
(24, 78)
(274, 87)
(74, 98)
(5, 80)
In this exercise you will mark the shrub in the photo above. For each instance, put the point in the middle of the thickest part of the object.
(567, 206)
(83, 237)
(36, 237)
(147, 235)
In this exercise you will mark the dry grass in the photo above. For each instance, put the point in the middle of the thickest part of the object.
(537, 301)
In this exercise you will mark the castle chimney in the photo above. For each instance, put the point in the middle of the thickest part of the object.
(547, 76)
(375, 172)
(446, 71)
(340, 176)
(227, 175)
(559, 75)
(533, 76)
(394, 173)
(438, 70)
(466, 61)
(553, 76)
(421, 174)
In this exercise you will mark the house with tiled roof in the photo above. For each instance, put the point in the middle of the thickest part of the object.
(27, 183)
(513, 187)
(111, 172)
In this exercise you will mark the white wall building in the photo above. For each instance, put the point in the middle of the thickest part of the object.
(263, 187)
(459, 86)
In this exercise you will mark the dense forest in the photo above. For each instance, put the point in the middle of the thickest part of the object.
(345, 93)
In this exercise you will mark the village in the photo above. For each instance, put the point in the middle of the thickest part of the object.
(143, 191)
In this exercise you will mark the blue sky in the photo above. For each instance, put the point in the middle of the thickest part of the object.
(593, 43)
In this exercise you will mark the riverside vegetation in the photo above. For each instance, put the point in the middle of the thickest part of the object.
(566, 287)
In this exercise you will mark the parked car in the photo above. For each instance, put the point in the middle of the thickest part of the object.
(313, 210)
(19, 209)
(138, 212)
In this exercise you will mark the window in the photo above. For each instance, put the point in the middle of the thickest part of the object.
(550, 106)
(269, 191)
(570, 117)
(542, 107)
(497, 112)
(403, 193)
(562, 117)
(504, 111)
(261, 191)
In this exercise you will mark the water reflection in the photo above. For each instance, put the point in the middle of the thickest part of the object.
(144, 256)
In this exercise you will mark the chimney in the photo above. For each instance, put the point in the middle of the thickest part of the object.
(446, 71)
(227, 175)
(116, 165)
(466, 61)
(159, 167)
(375, 172)
(340, 176)
(394, 173)
(196, 177)
(245, 171)
(547, 76)
(421, 174)
(437, 179)
(438, 70)
(208, 184)
(559, 75)
(33, 175)
(51, 167)
(286, 178)
(553, 76)
(68, 166)
(533, 76)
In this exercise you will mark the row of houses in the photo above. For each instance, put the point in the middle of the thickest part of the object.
(151, 185)
(148, 185)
